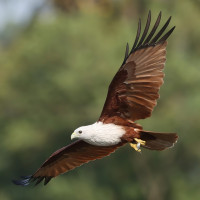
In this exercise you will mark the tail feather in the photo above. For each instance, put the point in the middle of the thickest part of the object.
(158, 141)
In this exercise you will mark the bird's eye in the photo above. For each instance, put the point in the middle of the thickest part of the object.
(80, 132)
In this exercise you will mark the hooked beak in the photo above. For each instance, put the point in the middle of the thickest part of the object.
(73, 136)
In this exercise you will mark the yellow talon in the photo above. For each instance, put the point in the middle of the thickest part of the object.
(137, 145)
(142, 142)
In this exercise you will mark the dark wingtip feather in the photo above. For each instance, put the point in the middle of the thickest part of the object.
(137, 36)
(145, 30)
(39, 180)
(164, 38)
(146, 40)
(154, 40)
(126, 53)
(24, 181)
(153, 29)
(47, 179)
(26, 177)
(149, 41)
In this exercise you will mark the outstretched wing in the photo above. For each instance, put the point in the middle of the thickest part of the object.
(65, 159)
(133, 92)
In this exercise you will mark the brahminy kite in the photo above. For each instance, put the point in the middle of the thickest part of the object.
(132, 95)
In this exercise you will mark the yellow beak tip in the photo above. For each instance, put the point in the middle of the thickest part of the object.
(73, 136)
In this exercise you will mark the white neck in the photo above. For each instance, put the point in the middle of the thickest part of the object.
(100, 134)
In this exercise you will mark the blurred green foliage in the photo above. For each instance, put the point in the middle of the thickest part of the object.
(54, 78)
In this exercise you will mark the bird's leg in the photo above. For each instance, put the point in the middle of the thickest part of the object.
(137, 145)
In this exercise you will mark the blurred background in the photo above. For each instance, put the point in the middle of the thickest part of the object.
(57, 58)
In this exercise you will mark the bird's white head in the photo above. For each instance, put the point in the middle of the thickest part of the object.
(99, 134)
(83, 132)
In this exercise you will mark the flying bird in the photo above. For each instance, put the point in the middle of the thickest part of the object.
(132, 95)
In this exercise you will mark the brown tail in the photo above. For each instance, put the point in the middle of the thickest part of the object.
(158, 141)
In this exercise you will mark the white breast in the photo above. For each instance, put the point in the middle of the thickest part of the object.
(104, 134)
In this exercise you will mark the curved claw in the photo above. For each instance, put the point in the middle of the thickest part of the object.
(138, 144)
